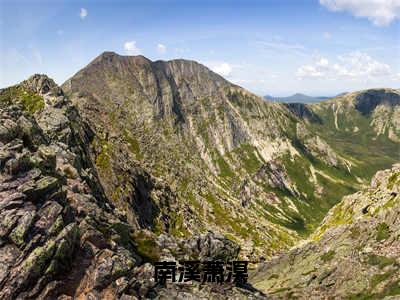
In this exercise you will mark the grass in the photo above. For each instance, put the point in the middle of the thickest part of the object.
(380, 261)
(177, 225)
(30, 102)
(340, 216)
(299, 172)
(103, 159)
(133, 145)
(378, 278)
(382, 232)
(328, 256)
(371, 152)
(250, 161)
(393, 179)
(224, 168)
(238, 226)
(146, 247)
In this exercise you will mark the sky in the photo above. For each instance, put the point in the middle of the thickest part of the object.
(277, 47)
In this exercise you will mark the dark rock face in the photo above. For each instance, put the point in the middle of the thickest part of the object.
(204, 247)
(46, 202)
(166, 84)
(366, 102)
(276, 176)
(302, 111)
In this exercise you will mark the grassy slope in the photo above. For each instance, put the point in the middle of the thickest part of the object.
(364, 148)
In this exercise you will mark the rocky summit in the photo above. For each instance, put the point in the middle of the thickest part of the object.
(132, 161)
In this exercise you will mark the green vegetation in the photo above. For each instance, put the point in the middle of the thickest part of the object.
(238, 226)
(104, 157)
(355, 232)
(380, 261)
(390, 289)
(31, 102)
(382, 232)
(133, 145)
(378, 278)
(368, 151)
(394, 179)
(327, 256)
(178, 227)
(146, 246)
(248, 156)
(340, 216)
(299, 172)
(124, 233)
(224, 168)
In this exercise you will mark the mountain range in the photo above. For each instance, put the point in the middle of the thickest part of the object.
(133, 161)
(300, 98)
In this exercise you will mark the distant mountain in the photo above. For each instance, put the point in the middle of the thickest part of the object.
(301, 98)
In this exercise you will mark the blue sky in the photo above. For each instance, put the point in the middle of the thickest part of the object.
(317, 47)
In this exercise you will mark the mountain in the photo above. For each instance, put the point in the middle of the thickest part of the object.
(133, 161)
(233, 162)
(298, 98)
(354, 253)
(61, 237)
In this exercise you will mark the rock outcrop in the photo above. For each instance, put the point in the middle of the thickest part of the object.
(353, 254)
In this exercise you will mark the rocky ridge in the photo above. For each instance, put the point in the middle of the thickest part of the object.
(60, 237)
(354, 253)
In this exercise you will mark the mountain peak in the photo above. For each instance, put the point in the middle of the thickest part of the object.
(139, 72)
(111, 56)
(42, 84)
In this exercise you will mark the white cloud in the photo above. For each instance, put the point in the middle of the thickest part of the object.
(161, 48)
(352, 65)
(379, 12)
(322, 62)
(283, 47)
(83, 13)
(309, 71)
(327, 35)
(314, 71)
(254, 77)
(358, 64)
(131, 48)
(223, 69)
